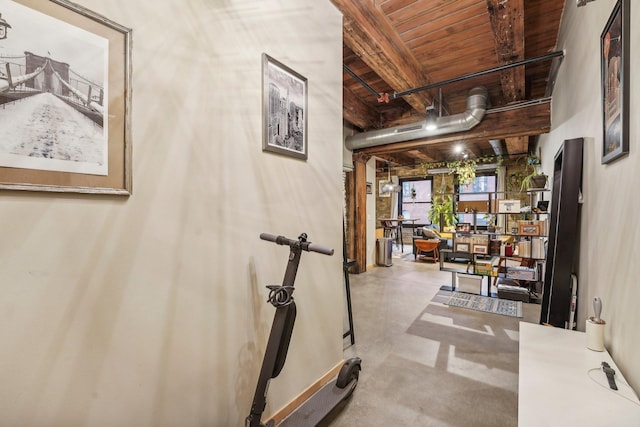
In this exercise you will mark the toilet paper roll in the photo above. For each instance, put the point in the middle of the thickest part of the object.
(595, 335)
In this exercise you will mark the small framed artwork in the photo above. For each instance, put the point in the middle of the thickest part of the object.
(284, 109)
(463, 227)
(75, 79)
(529, 229)
(508, 206)
(614, 51)
(480, 249)
(369, 187)
(381, 187)
(462, 247)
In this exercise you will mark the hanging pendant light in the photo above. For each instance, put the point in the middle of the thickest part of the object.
(389, 187)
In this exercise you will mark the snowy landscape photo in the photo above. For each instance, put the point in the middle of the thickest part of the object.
(53, 92)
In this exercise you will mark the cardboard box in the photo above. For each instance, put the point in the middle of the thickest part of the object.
(484, 267)
(469, 283)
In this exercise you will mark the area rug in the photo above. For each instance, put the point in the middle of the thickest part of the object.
(486, 304)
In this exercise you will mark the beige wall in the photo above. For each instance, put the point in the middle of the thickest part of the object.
(150, 310)
(610, 236)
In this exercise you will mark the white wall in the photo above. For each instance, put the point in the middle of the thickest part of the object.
(371, 214)
(610, 237)
(150, 310)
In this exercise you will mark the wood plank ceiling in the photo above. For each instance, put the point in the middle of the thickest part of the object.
(393, 46)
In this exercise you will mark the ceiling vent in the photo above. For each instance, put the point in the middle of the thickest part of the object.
(477, 103)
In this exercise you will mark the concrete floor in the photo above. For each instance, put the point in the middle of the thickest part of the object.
(425, 363)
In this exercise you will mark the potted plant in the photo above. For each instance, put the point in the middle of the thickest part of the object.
(534, 179)
(491, 222)
(442, 209)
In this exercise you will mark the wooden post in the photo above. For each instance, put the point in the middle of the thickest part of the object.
(360, 220)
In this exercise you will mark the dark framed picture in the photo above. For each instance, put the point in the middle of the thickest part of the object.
(369, 187)
(463, 227)
(614, 50)
(284, 110)
(480, 249)
(462, 247)
(66, 99)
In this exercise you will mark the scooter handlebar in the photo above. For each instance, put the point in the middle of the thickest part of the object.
(307, 246)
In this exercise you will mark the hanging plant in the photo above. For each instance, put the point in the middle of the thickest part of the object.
(413, 193)
(464, 171)
(498, 160)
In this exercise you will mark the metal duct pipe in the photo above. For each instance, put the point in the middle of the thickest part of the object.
(496, 144)
(477, 103)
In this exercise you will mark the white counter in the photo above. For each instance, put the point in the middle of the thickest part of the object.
(561, 383)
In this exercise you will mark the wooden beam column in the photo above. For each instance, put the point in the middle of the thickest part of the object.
(507, 22)
(360, 220)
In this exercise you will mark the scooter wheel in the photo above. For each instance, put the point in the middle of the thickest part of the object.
(350, 371)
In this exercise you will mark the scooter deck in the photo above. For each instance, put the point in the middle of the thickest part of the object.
(319, 405)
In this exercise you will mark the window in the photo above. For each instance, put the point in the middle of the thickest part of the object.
(479, 189)
(415, 200)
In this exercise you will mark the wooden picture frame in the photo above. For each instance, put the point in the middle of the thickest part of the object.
(614, 56)
(284, 112)
(480, 249)
(81, 66)
(529, 229)
(369, 188)
(462, 247)
(463, 227)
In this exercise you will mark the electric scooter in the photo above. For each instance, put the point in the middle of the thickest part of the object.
(320, 404)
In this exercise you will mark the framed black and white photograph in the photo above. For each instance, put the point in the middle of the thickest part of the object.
(462, 247)
(614, 45)
(284, 94)
(65, 76)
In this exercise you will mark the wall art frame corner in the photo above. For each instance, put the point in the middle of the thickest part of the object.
(94, 154)
(615, 75)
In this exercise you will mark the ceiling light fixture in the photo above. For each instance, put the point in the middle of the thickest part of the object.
(388, 187)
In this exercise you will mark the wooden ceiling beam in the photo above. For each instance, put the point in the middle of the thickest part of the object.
(518, 122)
(517, 145)
(419, 155)
(358, 112)
(369, 35)
(396, 159)
(473, 150)
(507, 23)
